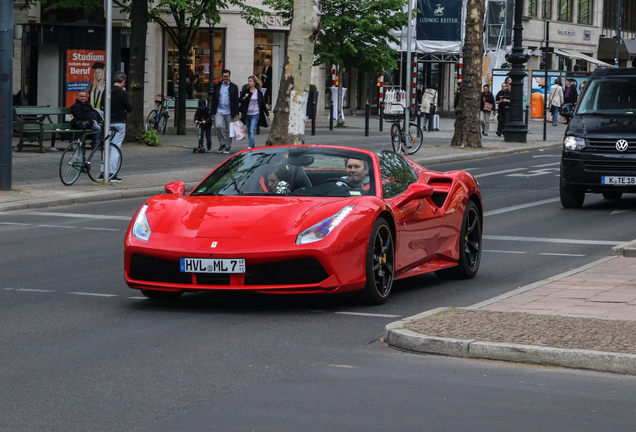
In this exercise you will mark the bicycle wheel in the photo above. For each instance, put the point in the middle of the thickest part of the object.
(396, 137)
(71, 163)
(96, 162)
(151, 121)
(414, 139)
(163, 122)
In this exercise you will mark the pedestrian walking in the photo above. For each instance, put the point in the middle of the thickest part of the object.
(457, 95)
(570, 95)
(556, 100)
(120, 106)
(253, 108)
(266, 82)
(487, 105)
(503, 104)
(225, 109)
(203, 115)
(428, 105)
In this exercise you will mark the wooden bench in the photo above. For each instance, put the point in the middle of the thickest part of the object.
(32, 123)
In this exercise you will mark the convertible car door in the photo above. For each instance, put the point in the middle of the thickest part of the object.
(417, 223)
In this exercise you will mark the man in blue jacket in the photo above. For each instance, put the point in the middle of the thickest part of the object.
(225, 109)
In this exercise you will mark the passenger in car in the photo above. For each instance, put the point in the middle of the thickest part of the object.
(275, 175)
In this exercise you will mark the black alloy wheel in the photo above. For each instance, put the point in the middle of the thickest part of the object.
(380, 264)
(469, 246)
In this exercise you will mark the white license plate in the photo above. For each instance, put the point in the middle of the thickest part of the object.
(210, 265)
(618, 181)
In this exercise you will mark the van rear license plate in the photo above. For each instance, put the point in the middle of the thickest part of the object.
(618, 181)
(209, 265)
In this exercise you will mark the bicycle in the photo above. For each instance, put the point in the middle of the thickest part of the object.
(404, 141)
(74, 160)
(158, 118)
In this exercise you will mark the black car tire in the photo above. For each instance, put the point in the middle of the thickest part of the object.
(380, 264)
(161, 295)
(571, 198)
(469, 246)
(612, 195)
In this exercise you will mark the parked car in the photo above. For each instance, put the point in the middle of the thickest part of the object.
(599, 148)
(306, 220)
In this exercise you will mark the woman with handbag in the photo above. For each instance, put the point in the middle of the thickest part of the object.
(429, 103)
(556, 100)
(487, 104)
(253, 108)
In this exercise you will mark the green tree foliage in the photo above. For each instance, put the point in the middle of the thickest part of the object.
(355, 33)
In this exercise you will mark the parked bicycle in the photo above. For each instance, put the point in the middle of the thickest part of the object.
(158, 118)
(403, 140)
(76, 161)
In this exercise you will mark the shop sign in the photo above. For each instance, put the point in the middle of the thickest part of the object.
(567, 33)
(85, 72)
(439, 20)
(273, 20)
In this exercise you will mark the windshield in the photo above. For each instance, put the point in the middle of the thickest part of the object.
(616, 96)
(297, 171)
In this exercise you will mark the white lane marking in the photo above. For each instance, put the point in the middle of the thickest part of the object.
(504, 251)
(521, 206)
(545, 165)
(32, 290)
(74, 215)
(9, 289)
(499, 172)
(553, 240)
(561, 254)
(534, 173)
(137, 298)
(619, 212)
(368, 314)
(103, 229)
(547, 156)
(56, 226)
(14, 223)
(93, 294)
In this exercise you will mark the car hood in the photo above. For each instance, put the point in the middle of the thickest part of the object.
(238, 217)
(602, 126)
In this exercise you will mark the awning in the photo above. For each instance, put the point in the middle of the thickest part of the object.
(577, 55)
(607, 49)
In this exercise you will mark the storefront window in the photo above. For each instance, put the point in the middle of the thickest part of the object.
(199, 67)
(269, 49)
(547, 9)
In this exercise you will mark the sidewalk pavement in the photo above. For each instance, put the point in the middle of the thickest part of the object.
(585, 318)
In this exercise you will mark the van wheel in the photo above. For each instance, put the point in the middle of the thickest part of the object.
(612, 195)
(571, 198)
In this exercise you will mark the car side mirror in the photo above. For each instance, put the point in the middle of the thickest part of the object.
(413, 192)
(176, 188)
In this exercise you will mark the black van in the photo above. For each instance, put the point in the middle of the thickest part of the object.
(599, 149)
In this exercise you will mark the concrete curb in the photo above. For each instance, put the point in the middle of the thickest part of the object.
(397, 336)
(85, 197)
(627, 249)
(480, 155)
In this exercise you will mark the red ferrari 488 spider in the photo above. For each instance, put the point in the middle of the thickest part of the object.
(306, 219)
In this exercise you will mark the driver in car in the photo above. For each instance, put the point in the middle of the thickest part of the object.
(357, 173)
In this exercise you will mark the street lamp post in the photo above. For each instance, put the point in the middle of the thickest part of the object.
(516, 129)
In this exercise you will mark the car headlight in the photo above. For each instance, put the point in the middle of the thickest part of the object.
(323, 228)
(141, 228)
(573, 143)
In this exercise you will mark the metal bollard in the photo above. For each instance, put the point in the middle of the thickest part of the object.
(418, 113)
(331, 116)
(313, 119)
(527, 114)
(367, 112)
(381, 115)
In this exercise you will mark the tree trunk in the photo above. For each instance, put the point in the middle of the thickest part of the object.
(467, 124)
(288, 126)
(137, 71)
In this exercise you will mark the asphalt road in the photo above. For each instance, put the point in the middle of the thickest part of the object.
(81, 351)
